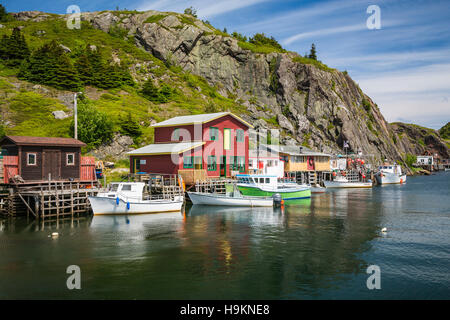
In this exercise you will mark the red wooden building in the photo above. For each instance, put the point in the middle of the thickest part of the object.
(204, 145)
(43, 158)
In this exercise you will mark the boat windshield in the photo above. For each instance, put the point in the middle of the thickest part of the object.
(114, 187)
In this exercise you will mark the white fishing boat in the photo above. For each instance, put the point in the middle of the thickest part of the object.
(127, 198)
(317, 189)
(390, 174)
(343, 182)
(233, 200)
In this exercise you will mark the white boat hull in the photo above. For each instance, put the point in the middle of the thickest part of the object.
(222, 200)
(109, 206)
(318, 190)
(388, 178)
(339, 184)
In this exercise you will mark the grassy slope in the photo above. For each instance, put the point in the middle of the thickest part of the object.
(28, 112)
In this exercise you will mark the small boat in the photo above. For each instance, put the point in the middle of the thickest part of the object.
(343, 182)
(318, 189)
(234, 200)
(267, 186)
(390, 174)
(127, 198)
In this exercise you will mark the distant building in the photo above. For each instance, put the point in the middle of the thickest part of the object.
(196, 147)
(426, 160)
(302, 159)
(263, 160)
(44, 158)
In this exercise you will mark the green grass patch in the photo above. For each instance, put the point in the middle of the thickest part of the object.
(316, 63)
(258, 48)
(155, 18)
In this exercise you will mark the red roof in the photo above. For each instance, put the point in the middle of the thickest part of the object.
(43, 141)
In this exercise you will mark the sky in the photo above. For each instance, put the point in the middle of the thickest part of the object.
(404, 66)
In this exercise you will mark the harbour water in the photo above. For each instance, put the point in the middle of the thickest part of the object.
(318, 248)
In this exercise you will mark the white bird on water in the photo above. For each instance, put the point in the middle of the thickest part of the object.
(384, 230)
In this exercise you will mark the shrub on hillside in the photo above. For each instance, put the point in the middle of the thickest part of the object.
(94, 127)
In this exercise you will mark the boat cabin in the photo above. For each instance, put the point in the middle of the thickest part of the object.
(128, 190)
(395, 169)
(258, 180)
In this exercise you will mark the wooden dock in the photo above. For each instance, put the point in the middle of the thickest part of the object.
(46, 199)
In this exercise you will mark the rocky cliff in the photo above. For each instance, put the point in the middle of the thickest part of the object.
(314, 105)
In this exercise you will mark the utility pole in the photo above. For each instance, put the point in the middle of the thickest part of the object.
(75, 114)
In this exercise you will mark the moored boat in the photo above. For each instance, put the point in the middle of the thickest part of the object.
(214, 199)
(343, 182)
(390, 174)
(127, 198)
(267, 186)
(317, 189)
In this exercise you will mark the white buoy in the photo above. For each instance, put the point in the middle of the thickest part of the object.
(384, 230)
(55, 235)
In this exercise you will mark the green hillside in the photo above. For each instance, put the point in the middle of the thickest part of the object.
(26, 107)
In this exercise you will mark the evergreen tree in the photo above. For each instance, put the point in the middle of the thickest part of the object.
(4, 16)
(84, 69)
(313, 53)
(51, 66)
(14, 49)
(130, 126)
(191, 11)
(150, 91)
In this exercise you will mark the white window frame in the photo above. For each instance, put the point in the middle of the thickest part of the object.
(67, 159)
(28, 159)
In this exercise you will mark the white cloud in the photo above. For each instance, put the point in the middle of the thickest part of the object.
(322, 32)
(419, 95)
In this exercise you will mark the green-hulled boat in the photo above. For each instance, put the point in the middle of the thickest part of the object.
(267, 186)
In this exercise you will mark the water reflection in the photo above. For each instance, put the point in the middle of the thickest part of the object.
(310, 248)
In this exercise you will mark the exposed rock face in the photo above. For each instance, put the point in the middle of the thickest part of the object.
(318, 108)
(417, 140)
(117, 149)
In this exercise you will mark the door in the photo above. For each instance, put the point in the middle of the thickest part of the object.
(51, 162)
(223, 166)
(137, 165)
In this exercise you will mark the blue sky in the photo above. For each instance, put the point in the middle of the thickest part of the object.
(404, 66)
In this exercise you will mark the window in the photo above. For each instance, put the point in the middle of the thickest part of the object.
(31, 159)
(240, 164)
(267, 180)
(227, 139)
(126, 187)
(70, 159)
(261, 180)
(212, 163)
(188, 162)
(198, 164)
(213, 133)
(143, 162)
(240, 135)
(176, 135)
